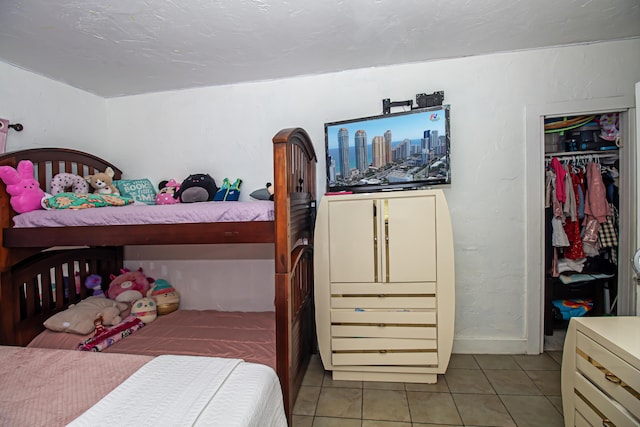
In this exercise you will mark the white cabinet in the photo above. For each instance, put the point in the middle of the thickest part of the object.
(384, 285)
(601, 372)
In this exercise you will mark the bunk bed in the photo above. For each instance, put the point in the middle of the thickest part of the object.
(34, 259)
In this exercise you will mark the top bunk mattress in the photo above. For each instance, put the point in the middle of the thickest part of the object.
(140, 214)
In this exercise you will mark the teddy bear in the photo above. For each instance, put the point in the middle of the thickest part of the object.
(102, 182)
(166, 297)
(128, 286)
(144, 309)
(167, 192)
(24, 189)
(199, 187)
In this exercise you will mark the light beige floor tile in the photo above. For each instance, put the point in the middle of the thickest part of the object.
(437, 425)
(440, 386)
(385, 405)
(340, 402)
(506, 381)
(483, 410)
(336, 422)
(496, 361)
(302, 421)
(555, 355)
(468, 381)
(315, 373)
(374, 423)
(533, 411)
(435, 408)
(328, 381)
(464, 361)
(547, 381)
(382, 385)
(556, 401)
(537, 362)
(306, 401)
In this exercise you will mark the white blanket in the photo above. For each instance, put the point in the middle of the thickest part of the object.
(192, 391)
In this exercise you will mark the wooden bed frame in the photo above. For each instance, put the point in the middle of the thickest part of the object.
(31, 263)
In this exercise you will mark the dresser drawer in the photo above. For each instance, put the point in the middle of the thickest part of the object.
(597, 408)
(385, 358)
(382, 344)
(383, 317)
(384, 295)
(384, 331)
(609, 373)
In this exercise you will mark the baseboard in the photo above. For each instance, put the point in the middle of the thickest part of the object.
(489, 346)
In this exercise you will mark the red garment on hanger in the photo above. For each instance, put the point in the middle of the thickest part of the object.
(572, 228)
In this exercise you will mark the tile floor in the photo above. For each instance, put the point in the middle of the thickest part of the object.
(476, 390)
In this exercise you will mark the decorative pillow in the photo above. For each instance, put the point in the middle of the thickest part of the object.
(78, 318)
(84, 201)
(142, 190)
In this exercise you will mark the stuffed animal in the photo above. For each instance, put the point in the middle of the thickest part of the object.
(63, 181)
(167, 194)
(197, 188)
(94, 282)
(144, 309)
(609, 130)
(263, 193)
(228, 192)
(24, 189)
(109, 316)
(166, 297)
(128, 286)
(102, 182)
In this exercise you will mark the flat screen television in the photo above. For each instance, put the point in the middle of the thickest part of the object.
(397, 151)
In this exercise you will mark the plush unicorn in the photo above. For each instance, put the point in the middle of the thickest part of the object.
(24, 189)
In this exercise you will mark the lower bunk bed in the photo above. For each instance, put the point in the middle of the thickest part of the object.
(38, 264)
(42, 387)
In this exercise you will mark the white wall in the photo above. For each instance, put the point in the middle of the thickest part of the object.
(226, 131)
(53, 114)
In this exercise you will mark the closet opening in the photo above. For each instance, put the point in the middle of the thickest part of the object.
(582, 219)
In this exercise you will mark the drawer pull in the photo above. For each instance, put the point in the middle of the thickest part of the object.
(381, 325)
(612, 378)
(607, 423)
(381, 295)
(383, 351)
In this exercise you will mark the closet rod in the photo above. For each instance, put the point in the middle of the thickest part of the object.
(583, 155)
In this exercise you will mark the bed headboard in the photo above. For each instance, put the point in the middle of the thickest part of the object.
(47, 162)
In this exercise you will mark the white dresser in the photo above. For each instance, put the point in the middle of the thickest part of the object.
(601, 372)
(384, 285)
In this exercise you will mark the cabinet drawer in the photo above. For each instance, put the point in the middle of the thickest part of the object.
(381, 317)
(396, 295)
(382, 344)
(594, 405)
(609, 373)
(384, 331)
(385, 358)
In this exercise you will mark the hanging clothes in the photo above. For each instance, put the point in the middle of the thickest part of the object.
(596, 205)
(560, 174)
(572, 224)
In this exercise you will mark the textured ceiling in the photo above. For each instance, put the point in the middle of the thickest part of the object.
(121, 47)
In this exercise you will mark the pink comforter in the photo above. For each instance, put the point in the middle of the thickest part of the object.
(180, 213)
(42, 387)
(250, 336)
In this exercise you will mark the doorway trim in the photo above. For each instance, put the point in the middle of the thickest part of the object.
(534, 206)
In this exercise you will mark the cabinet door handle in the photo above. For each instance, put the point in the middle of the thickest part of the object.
(612, 378)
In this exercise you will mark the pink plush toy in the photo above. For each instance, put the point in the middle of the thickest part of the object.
(26, 194)
(128, 286)
(167, 191)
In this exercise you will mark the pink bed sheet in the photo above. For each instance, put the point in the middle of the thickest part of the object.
(74, 381)
(250, 336)
(180, 213)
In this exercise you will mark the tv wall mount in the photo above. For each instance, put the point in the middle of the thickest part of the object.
(422, 101)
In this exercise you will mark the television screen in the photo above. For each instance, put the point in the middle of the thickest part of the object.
(405, 150)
